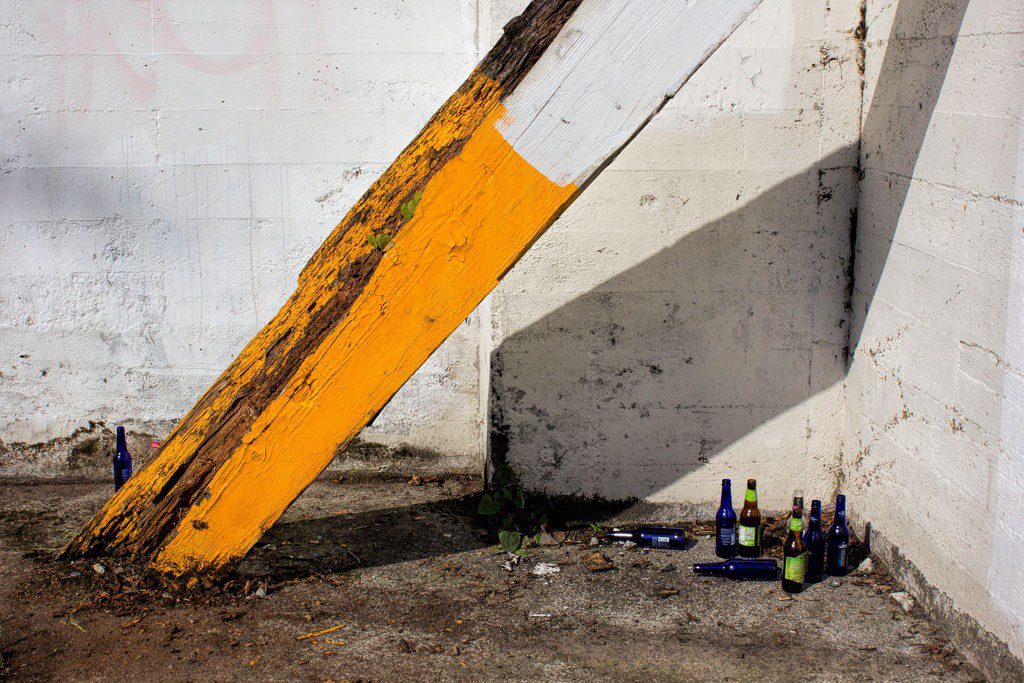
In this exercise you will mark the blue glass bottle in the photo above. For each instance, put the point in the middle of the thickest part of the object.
(763, 569)
(814, 542)
(725, 524)
(122, 460)
(652, 537)
(837, 541)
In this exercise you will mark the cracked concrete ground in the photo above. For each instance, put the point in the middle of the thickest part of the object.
(412, 592)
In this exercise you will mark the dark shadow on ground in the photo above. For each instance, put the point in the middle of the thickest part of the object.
(462, 616)
(359, 540)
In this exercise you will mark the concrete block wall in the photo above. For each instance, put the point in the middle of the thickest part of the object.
(685, 319)
(934, 445)
(171, 164)
(168, 166)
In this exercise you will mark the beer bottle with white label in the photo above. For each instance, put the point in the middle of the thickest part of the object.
(725, 524)
(672, 538)
(763, 569)
(749, 538)
(794, 554)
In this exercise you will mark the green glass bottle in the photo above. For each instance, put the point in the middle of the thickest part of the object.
(749, 539)
(794, 554)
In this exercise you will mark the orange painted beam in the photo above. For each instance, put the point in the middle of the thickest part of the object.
(475, 217)
(429, 240)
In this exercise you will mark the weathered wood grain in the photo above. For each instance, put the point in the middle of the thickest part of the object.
(569, 83)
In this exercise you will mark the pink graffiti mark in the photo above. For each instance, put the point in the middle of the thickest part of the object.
(87, 31)
(259, 45)
(168, 38)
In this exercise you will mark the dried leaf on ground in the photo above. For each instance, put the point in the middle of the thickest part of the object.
(597, 562)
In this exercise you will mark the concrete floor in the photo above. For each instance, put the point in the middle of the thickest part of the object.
(420, 595)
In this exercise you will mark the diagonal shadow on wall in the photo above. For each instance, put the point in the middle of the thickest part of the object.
(628, 388)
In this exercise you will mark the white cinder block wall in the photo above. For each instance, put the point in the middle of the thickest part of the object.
(934, 453)
(168, 166)
(685, 319)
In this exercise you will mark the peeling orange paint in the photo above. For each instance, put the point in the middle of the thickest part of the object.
(120, 520)
(478, 215)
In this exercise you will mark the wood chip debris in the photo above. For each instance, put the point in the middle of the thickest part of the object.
(320, 633)
(597, 562)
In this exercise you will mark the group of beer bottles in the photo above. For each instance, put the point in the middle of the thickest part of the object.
(808, 554)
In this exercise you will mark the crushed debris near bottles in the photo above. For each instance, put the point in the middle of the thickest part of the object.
(387, 581)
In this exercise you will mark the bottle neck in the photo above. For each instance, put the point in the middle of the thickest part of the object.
(122, 442)
(815, 516)
(750, 497)
(726, 495)
(841, 507)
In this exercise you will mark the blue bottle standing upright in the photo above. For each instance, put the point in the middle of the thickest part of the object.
(814, 541)
(122, 460)
(837, 541)
(725, 524)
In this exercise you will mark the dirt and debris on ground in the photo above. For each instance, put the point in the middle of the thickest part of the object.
(383, 581)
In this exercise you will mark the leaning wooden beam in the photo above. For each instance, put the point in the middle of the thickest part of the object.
(566, 87)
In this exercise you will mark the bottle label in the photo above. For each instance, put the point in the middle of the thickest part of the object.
(660, 542)
(841, 554)
(750, 496)
(727, 535)
(748, 535)
(796, 568)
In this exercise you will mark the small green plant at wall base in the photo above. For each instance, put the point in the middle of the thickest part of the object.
(380, 241)
(505, 508)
